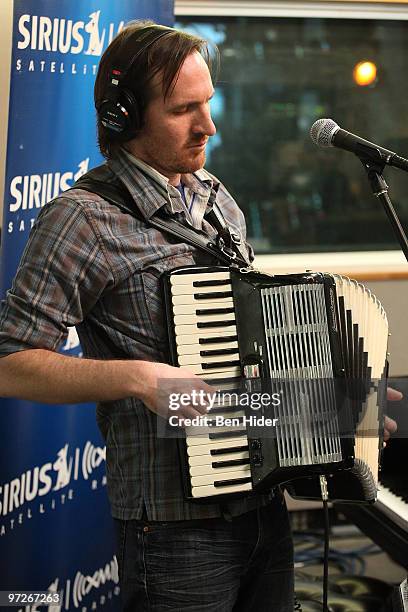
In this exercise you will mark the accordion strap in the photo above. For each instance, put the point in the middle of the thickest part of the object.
(227, 247)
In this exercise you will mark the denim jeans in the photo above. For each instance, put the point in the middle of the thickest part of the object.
(244, 564)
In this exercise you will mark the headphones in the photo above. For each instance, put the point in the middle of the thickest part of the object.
(120, 111)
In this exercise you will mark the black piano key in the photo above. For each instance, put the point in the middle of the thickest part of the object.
(206, 324)
(226, 483)
(213, 295)
(214, 352)
(218, 339)
(230, 463)
(214, 311)
(224, 451)
(222, 409)
(227, 434)
(212, 283)
(220, 364)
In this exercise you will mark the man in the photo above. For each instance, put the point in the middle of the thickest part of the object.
(89, 264)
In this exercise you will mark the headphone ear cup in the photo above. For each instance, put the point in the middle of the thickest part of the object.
(113, 116)
(131, 104)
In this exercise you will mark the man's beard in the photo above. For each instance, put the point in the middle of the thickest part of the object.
(191, 166)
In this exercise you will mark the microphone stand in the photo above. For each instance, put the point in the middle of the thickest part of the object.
(380, 190)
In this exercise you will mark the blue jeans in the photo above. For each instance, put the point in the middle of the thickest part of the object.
(211, 565)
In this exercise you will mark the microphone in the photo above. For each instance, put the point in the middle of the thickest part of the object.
(326, 133)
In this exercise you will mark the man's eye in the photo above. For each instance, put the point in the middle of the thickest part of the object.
(181, 111)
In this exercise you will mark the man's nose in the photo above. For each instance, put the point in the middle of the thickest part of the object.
(205, 124)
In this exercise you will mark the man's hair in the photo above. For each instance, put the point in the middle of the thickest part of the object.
(165, 55)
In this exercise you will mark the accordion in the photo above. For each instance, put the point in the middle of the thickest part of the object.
(314, 346)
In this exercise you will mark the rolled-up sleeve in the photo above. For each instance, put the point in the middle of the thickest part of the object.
(61, 275)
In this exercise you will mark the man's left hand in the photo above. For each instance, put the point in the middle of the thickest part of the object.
(390, 426)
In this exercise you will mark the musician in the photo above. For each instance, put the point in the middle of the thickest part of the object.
(90, 264)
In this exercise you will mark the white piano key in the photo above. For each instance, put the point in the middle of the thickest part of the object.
(202, 445)
(181, 330)
(208, 470)
(181, 309)
(188, 279)
(227, 372)
(241, 471)
(210, 490)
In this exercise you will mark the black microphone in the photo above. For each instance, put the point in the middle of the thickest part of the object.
(326, 133)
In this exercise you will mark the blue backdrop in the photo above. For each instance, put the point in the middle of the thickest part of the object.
(55, 527)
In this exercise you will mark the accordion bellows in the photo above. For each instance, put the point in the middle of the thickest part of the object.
(319, 341)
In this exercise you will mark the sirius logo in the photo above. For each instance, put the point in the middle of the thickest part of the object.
(72, 340)
(35, 190)
(36, 482)
(65, 35)
(42, 489)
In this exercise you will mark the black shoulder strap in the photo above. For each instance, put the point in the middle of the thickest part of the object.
(117, 194)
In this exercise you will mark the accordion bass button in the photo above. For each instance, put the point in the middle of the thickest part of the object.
(257, 459)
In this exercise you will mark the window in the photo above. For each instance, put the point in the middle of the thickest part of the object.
(278, 75)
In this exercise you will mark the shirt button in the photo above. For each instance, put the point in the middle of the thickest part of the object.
(145, 528)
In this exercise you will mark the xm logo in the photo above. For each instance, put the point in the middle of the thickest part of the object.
(85, 591)
(84, 583)
(35, 190)
(41, 33)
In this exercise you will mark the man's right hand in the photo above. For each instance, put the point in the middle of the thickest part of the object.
(160, 380)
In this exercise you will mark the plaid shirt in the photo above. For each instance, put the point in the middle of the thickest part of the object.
(90, 265)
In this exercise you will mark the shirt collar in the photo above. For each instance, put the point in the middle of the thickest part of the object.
(151, 189)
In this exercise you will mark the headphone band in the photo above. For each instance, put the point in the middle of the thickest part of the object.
(114, 115)
(146, 38)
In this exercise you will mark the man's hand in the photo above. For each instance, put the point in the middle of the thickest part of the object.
(160, 380)
(390, 426)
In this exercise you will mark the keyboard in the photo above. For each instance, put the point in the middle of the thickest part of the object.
(207, 344)
(393, 505)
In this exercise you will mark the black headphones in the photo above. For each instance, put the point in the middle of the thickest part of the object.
(120, 111)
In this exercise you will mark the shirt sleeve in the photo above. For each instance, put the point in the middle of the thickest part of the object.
(62, 273)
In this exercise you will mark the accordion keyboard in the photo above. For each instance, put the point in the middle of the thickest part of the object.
(207, 344)
(320, 340)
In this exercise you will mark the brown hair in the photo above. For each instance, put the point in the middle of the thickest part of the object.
(166, 55)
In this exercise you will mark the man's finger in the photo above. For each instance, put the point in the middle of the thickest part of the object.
(393, 395)
(390, 427)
